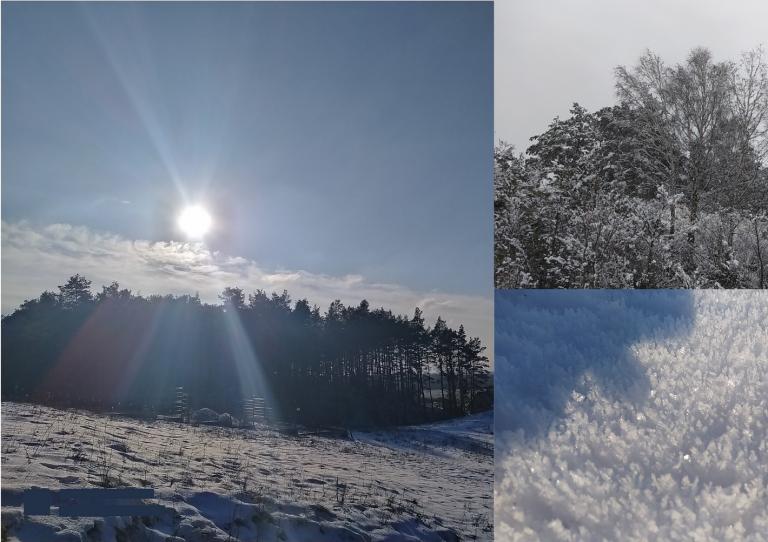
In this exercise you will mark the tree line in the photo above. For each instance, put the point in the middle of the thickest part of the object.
(350, 365)
(667, 188)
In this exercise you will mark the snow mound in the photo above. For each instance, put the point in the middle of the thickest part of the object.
(631, 415)
(198, 516)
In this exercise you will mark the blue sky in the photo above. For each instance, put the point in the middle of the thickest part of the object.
(342, 139)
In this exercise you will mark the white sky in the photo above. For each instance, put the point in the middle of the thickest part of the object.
(551, 53)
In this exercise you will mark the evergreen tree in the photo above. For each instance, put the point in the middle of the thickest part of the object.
(352, 365)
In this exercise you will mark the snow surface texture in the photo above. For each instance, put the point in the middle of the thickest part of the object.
(631, 415)
(430, 483)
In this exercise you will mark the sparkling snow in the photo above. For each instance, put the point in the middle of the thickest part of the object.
(631, 415)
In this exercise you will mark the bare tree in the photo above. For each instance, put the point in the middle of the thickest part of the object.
(714, 112)
(750, 104)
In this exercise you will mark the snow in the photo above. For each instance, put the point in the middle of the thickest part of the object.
(448, 439)
(631, 415)
(427, 483)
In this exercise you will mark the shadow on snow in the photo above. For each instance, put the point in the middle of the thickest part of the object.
(555, 345)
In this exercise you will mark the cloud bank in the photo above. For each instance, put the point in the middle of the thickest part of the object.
(38, 258)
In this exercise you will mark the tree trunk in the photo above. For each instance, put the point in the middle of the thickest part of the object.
(761, 270)
(672, 212)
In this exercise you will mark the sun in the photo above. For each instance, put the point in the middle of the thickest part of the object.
(194, 221)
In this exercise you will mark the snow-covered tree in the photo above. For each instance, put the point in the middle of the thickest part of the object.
(665, 189)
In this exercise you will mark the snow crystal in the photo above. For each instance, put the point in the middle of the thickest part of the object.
(670, 440)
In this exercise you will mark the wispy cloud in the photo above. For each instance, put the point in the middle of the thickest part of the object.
(37, 258)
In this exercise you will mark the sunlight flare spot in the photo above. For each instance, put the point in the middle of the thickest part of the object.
(194, 221)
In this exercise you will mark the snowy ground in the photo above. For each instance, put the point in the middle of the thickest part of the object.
(632, 415)
(431, 483)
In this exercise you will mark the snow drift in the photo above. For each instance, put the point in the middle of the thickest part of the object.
(631, 415)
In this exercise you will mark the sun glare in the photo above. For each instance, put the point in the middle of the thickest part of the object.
(194, 221)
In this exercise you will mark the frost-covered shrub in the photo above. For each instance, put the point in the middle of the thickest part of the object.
(227, 420)
(632, 415)
(204, 415)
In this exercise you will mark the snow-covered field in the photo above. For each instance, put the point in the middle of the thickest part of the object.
(631, 415)
(431, 482)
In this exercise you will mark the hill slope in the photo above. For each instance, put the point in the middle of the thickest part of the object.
(430, 483)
